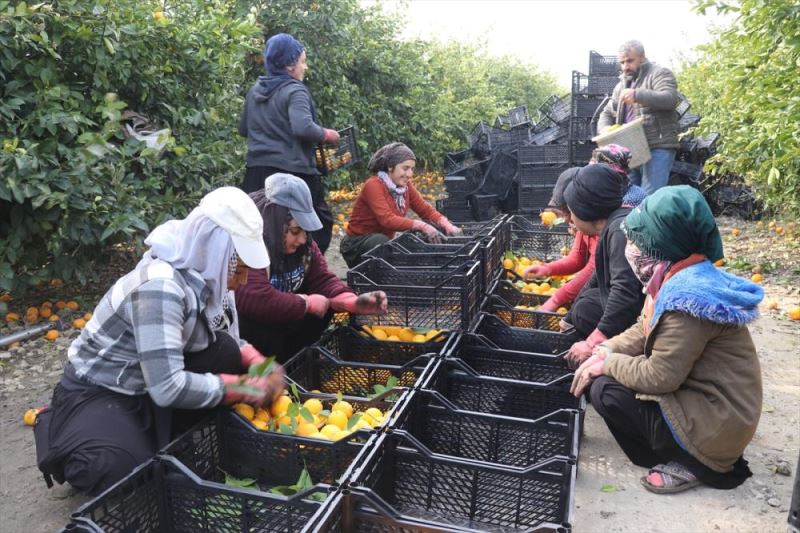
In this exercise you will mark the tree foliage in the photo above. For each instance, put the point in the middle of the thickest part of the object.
(72, 183)
(745, 86)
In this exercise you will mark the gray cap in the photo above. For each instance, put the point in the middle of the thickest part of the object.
(564, 179)
(292, 193)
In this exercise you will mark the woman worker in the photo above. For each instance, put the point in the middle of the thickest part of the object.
(280, 122)
(290, 309)
(153, 348)
(381, 207)
(680, 390)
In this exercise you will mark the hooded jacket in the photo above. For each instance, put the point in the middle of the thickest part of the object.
(278, 121)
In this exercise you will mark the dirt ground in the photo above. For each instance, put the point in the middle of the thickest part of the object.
(608, 495)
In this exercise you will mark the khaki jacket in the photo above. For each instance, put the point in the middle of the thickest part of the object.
(705, 376)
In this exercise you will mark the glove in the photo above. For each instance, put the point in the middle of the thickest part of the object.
(563, 325)
(431, 233)
(449, 228)
(265, 389)
(331, 136)
(536, 271)
(550, 306)
(581, 351)
(591, 368)
(316, 304)
(370, 303)
(251, 356)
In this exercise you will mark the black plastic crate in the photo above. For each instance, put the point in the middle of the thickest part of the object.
(492, 249)
(520, 134)
(686, 173)
(600, 65)
(539, 176)
(518, 116)
(545, 245)
(315, 369)
(547, 155)
(499, 334)
(498, 178)
(457, 186)
(483, 139)
(550, 134)
(523, 318)
(506, 397)
(349, 344)
(683, 105)
(584, 105)
(581, 152)
(484, 206)
(456, 210)
(556, 108)
(460, 495)
(414, 253)
(472, 170)
(534, 198)
(425, 298)
(581, 129)
(444, 429)
(480, 357)
(688, 121)
(225, 443)
(162, 496)
(344, 154)
(707, 146)
(583, 84)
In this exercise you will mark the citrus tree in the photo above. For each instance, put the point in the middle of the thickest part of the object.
(744, 85)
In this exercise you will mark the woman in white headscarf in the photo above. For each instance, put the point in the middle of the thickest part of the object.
(156, 349)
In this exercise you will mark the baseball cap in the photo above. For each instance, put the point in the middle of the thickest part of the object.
(292, 193)
(557, 200)
(234, 211)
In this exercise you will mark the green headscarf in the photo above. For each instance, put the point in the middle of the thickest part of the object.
(673, 223)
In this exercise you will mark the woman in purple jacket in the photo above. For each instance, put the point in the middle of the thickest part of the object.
(289, 310)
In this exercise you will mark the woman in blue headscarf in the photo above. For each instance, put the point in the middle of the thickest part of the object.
(280, 122)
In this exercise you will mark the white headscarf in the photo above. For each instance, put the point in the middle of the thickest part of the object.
(199, 244)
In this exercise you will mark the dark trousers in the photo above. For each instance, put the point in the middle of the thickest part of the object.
(282, 341)
(586, 312)
(92, 437)
(254, 181)
(643, 434)
(353, 248)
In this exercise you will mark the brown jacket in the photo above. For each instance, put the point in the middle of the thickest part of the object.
(705, 376)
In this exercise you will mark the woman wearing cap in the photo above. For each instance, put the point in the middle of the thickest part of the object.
(580, 260)
(381, 207)
(610, 302)
(289, 310)
(153, 348)
(681, 389)
(280, 122)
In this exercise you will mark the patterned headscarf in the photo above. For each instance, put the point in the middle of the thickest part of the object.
(389, 156)
(616, 156)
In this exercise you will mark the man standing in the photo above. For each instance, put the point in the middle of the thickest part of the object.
(649, 91)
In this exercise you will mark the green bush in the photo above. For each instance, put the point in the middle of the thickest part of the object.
(745, 86)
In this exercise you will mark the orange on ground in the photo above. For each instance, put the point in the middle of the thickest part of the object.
(72, 305)
(756, 278)
(736, 232)
(32, 314)
(45, 312)
(794, 313)
(56, 283)
(53, 318)
(52, 335)
(12, 317)
(5, 297)
(87, 316)
(47, 304)
(61, 304)
(79, 323)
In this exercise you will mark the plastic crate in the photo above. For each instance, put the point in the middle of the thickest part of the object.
(314, 368)
(707, 146)
(584, 105)
(523, 318)
(520, 134)
(683, 105)
(498, 178)
(534, 198)
(492, 249)
(506, 397)
(581, 152)
(414, 253)
(688, 121)
(583, 84)
(582, 129)
(479, 357)
(444, 429)
(686, 173)
(600, 65)
(457, 186)
(539, 176)
(500, 335)
(555, 108)
(162, 495)
(425, 298)
(548, 155)
(345, 154)
(457, 210)
(484, 206)
(545, 245)
(225, 443)
(550, 135)
(482, 138)
(518, 116)
(348, 344)
(414, 485)
(472, 170)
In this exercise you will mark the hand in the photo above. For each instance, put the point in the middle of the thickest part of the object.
(261, 390)
(578, 353)
(251, 356)
(331, 136)
(563, 325)
(432, 234)
(536, 271)
(449, 228)
(316, 304)
(590, 369)
(372, 303)
(628, 96)
(550, 306)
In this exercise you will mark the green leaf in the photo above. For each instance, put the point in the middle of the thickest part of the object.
(391, 382)
(295, 392)
(353, 420)
(339, 396)
(608, 488)
(263, 368)
(246, 483)
(306, 414)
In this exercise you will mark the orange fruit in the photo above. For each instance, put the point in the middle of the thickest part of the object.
(757, 278)
(794, 313)
(548, 217)
(12, 317)
(338, 419)
(45, 312)
(344, 407)
(771, 224)
(719, 262)
(279, 406)
(29, 418)
(79, 323)
(313, 405)
(245, 410)
(305, 429)
(57, 283)
(260, 424)
(5, 297)
(772, 305)
(508, 264)
(736, 232)
(61, 304)
(32, 314)
(262, 414)
(52, 335)
(779, 230)
(53, 318)
(87, 316)
(561, 310)
(72, 305)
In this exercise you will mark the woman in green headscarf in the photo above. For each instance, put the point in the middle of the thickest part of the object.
(681, 389)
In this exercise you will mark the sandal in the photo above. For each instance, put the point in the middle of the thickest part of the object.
(675, 476)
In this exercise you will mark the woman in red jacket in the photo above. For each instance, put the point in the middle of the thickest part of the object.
(380, 210)
(283, 313)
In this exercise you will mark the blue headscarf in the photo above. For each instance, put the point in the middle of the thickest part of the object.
(281, 51)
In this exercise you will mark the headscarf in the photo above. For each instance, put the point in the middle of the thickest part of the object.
(281, 51)
(390, 155)
(673, 223)
(595, 192)
(196, 243)
(616, 156)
